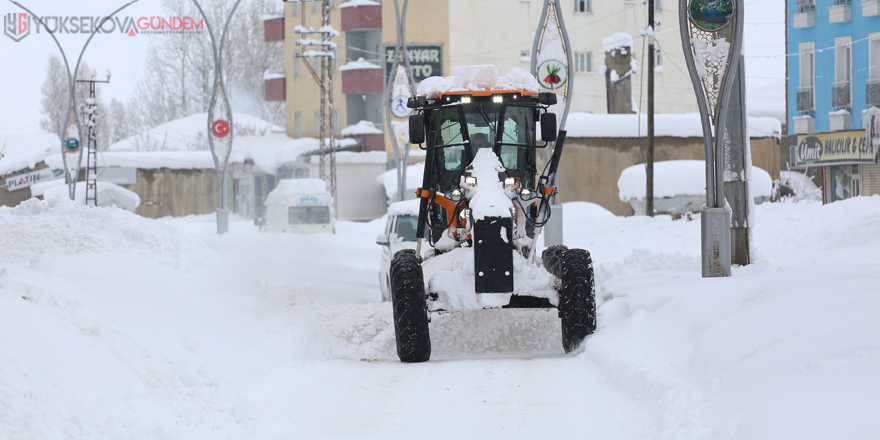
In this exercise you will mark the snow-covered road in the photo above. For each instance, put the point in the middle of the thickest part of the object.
(115, 326)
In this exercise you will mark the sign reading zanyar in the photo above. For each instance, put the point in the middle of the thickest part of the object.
(835, 148)
(424, 60)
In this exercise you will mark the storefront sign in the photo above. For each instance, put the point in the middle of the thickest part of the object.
(424, 60)
(22, 181)
(835, 148)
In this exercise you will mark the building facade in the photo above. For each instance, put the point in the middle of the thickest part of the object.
(833, 77)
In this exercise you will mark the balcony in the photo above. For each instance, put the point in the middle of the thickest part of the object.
(363, 16)
(804, 124)
(362, 77)
(840, 13)
(872, 93)
(840, 120)
(804, 19)
(274, 28)
(275, 86)
(805, 99)
(870, 8)
(840, 95)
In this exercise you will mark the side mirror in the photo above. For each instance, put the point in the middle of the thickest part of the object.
(416, 129)
(548, 127)
(382, 240)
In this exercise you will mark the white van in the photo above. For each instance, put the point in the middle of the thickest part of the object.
(300, 206)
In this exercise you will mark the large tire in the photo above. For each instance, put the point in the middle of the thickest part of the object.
(410, 307)
(551, 258)
(577, 298)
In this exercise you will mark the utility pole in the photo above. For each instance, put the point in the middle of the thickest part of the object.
(90, 115)
(327, 135)
(649, 165)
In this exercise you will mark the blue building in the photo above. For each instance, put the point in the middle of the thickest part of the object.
(833, 65)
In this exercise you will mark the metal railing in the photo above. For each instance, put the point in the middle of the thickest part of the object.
(804, 99)
(840, 96)
(872, 92)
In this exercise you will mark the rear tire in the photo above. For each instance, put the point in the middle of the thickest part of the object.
(551, 258)
(577, 298)
(410, 307)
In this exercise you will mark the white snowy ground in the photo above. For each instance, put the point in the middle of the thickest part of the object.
(114, 326)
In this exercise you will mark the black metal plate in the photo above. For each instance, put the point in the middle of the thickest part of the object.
(493, 255)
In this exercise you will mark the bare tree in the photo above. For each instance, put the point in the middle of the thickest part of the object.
(55, 99)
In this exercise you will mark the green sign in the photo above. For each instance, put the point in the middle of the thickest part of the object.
(711, 15)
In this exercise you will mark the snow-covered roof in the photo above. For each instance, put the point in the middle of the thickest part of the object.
(22, 152)
(289, 191)
(681, 177)
(359, 65)
(355, 3)
(588, 125)
(406, 207)
(478, 78)
(374, 157)
(191, 133)
(270, 74)
(362, 127)
(267, 152)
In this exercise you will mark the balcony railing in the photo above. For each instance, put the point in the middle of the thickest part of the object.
(872, 93)
(805, 99)
(840, 95)
(806, 4)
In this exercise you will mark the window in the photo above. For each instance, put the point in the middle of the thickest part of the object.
(315, 5)
(583, 62)
(308, 215)
(297, 125)
(807, 77)
(841, 2)
(874, 57)
(296, 65)
(337, 122)
(295, 8)
(318, 133)
(841, 93)
(583, 6)
(806, 5)
(658, 59)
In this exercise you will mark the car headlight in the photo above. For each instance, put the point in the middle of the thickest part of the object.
(455, 195)
(465, 214)
(470, 182)
(510, 183)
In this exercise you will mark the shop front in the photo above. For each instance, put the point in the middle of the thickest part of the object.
(848, 162)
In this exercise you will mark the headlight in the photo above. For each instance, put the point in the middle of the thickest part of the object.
(527, 194)
(510, 183)
(465, 214)
(470, 182)
(498, 99)
(454, 195)
(465, 99)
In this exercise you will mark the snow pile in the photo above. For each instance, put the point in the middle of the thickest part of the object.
(406, 207)
(293, 188)
(476, 79)
(589, 125)
(489, 199)
(681, 178)
(23, 152)
(801, 186)
(358, 65)
(355, 3)
(108, 194)
(191, 134)
(617, 41)
(362, 127)
(414, 177)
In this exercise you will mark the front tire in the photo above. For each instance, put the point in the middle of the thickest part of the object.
(551, 258)
(577, 298)
(410, 307)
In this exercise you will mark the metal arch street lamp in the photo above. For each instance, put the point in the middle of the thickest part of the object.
(220, 121)
(711, 37)
(400, 86)
(71, 147)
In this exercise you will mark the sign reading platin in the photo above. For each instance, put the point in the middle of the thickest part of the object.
(836, 148)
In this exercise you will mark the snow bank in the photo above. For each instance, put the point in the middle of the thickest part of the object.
(683, 125)
(476, 79)
(681, 178)
(108, 194)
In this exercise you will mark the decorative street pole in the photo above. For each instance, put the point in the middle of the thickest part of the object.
(711, 36)
(220, 121)
(400, 87)
(552, 65)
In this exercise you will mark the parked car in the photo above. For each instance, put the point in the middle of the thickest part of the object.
(400, 233)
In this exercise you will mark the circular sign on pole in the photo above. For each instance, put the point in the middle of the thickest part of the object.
(552, 74)
(399, 108)
(220, 128)
(72, 145)
(711, 15)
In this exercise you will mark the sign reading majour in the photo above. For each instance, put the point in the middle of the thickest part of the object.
(836, 148)
(424, 60)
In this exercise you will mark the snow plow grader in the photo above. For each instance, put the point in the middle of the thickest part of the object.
(482, 207)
